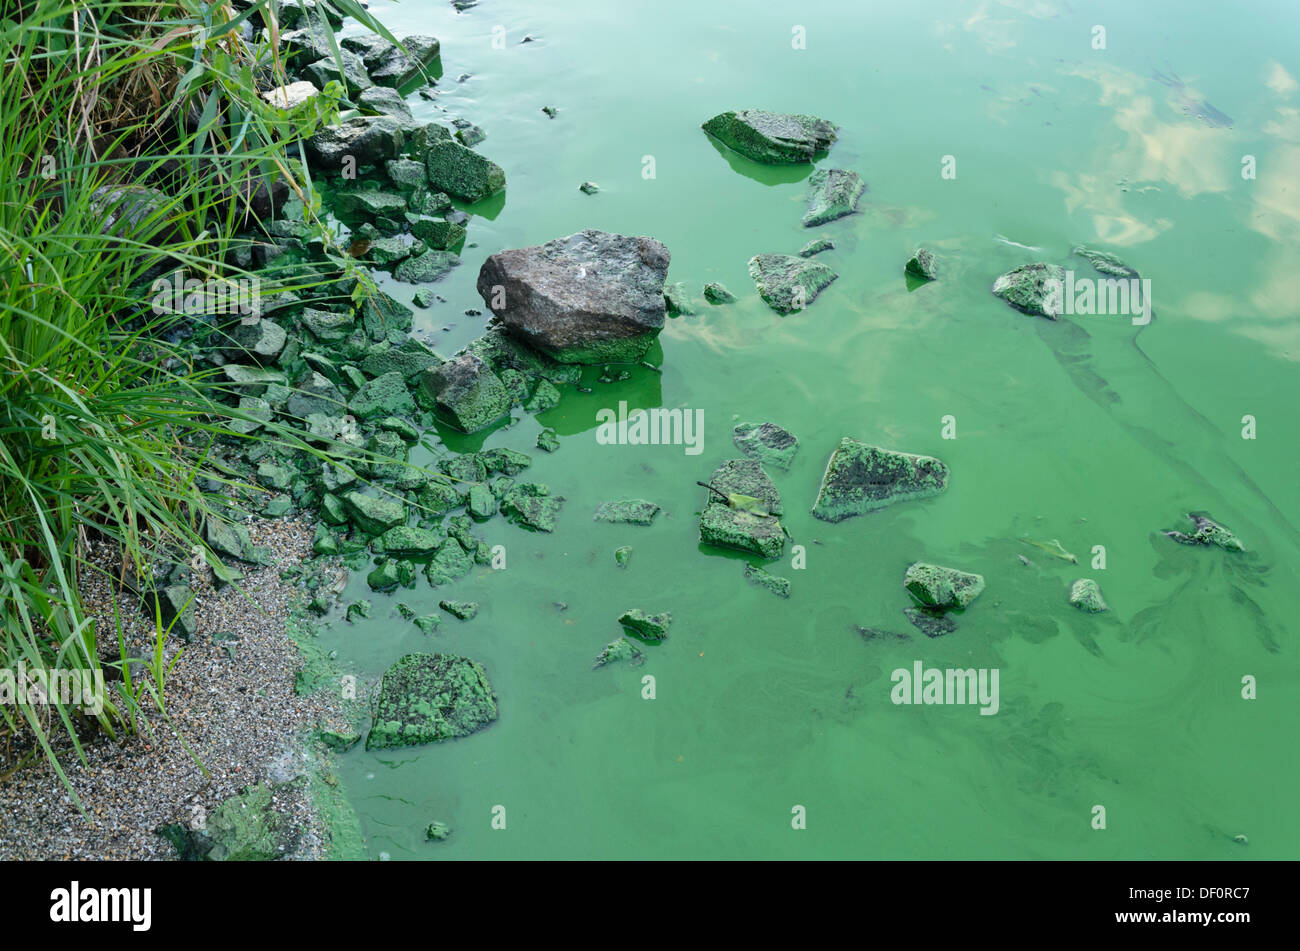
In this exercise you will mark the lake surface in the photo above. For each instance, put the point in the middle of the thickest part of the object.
(1090, 430)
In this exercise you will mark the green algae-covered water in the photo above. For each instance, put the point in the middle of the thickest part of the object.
(1092, 431)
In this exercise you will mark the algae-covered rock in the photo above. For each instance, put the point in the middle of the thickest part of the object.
(648, 627)
(1030, 288)
(1085, 594)
(506, 461)
(940, 588)
(616, 650)
(788, 283)
(482, 505)
(369, 139)
(425, 698)
(244, 828)
(410, 540)
(465, 610)
(715, 294)
(921, 265)
(628, 511)
(764, 579)
(1105, 262)
(425, 268)
(313, 393)
(741, 510)
(437, 233)
(623, 556)
(816, 246)
(860, 478)
(531, 505)
(774, 138)
(677, 298)
(929, 622)
(259, 340)
(465, 393)
(450, 562)
(1208, 532)
(385, 395)
(590, 297)
(461, 172)
(374, 515)
(437, 832)
(766, 442)
(391, 575)
(547, 441)
(832, 193)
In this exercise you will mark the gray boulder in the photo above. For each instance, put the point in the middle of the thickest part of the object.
(590, 297)
(832, 193)
(774, 138)
(788, 283)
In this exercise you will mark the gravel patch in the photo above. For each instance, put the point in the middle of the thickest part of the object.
(231, 701)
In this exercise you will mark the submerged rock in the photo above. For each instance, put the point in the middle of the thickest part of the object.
(1027, 289)
(628, 511)
(764, 579)
(591, 297)
(244, 828)
(774, 138)
(464, 610)
(832, 193)
(425, 268)
(616, 650)
(930, 623)
(860, 478)
(741, 510)
(921, 265)
(531, 505)
(1085, 594)
(816, 246)
(939, 588)
(465, 393)
(1208, 532)
(437, 832)
(648, 627)
(766, 442)
(715, 293)
(788, 283)
(1105, 262)
(425, 698)
(622, 556)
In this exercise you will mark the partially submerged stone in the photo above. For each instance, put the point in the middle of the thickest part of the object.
(788, 283)
(816, 246)
(939, 588)
(461, 172)
(464, 610)
(616, 650)
(623, 555)
(425, 698)
(450, 562)
(766, 442)
(465, 393)
(1030, 289)
(1085, 594)
(531, 505)
(764, 579)
(860, 478)
(369, 139)
(1105, 262)
(741, 510)
(678, 299)
(437, 832)
(832, 193)
(589, 188)
(648, 627)
(774, 138)
(245, 828)
(426, 268)
(628, 511)
(921, 265)
(1208, 532)
(547, 441)
(715, 294)
(410, 540)
(590, 297)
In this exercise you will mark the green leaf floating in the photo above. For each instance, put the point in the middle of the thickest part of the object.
(747, 503)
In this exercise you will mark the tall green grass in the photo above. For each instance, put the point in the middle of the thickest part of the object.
(105, 424)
